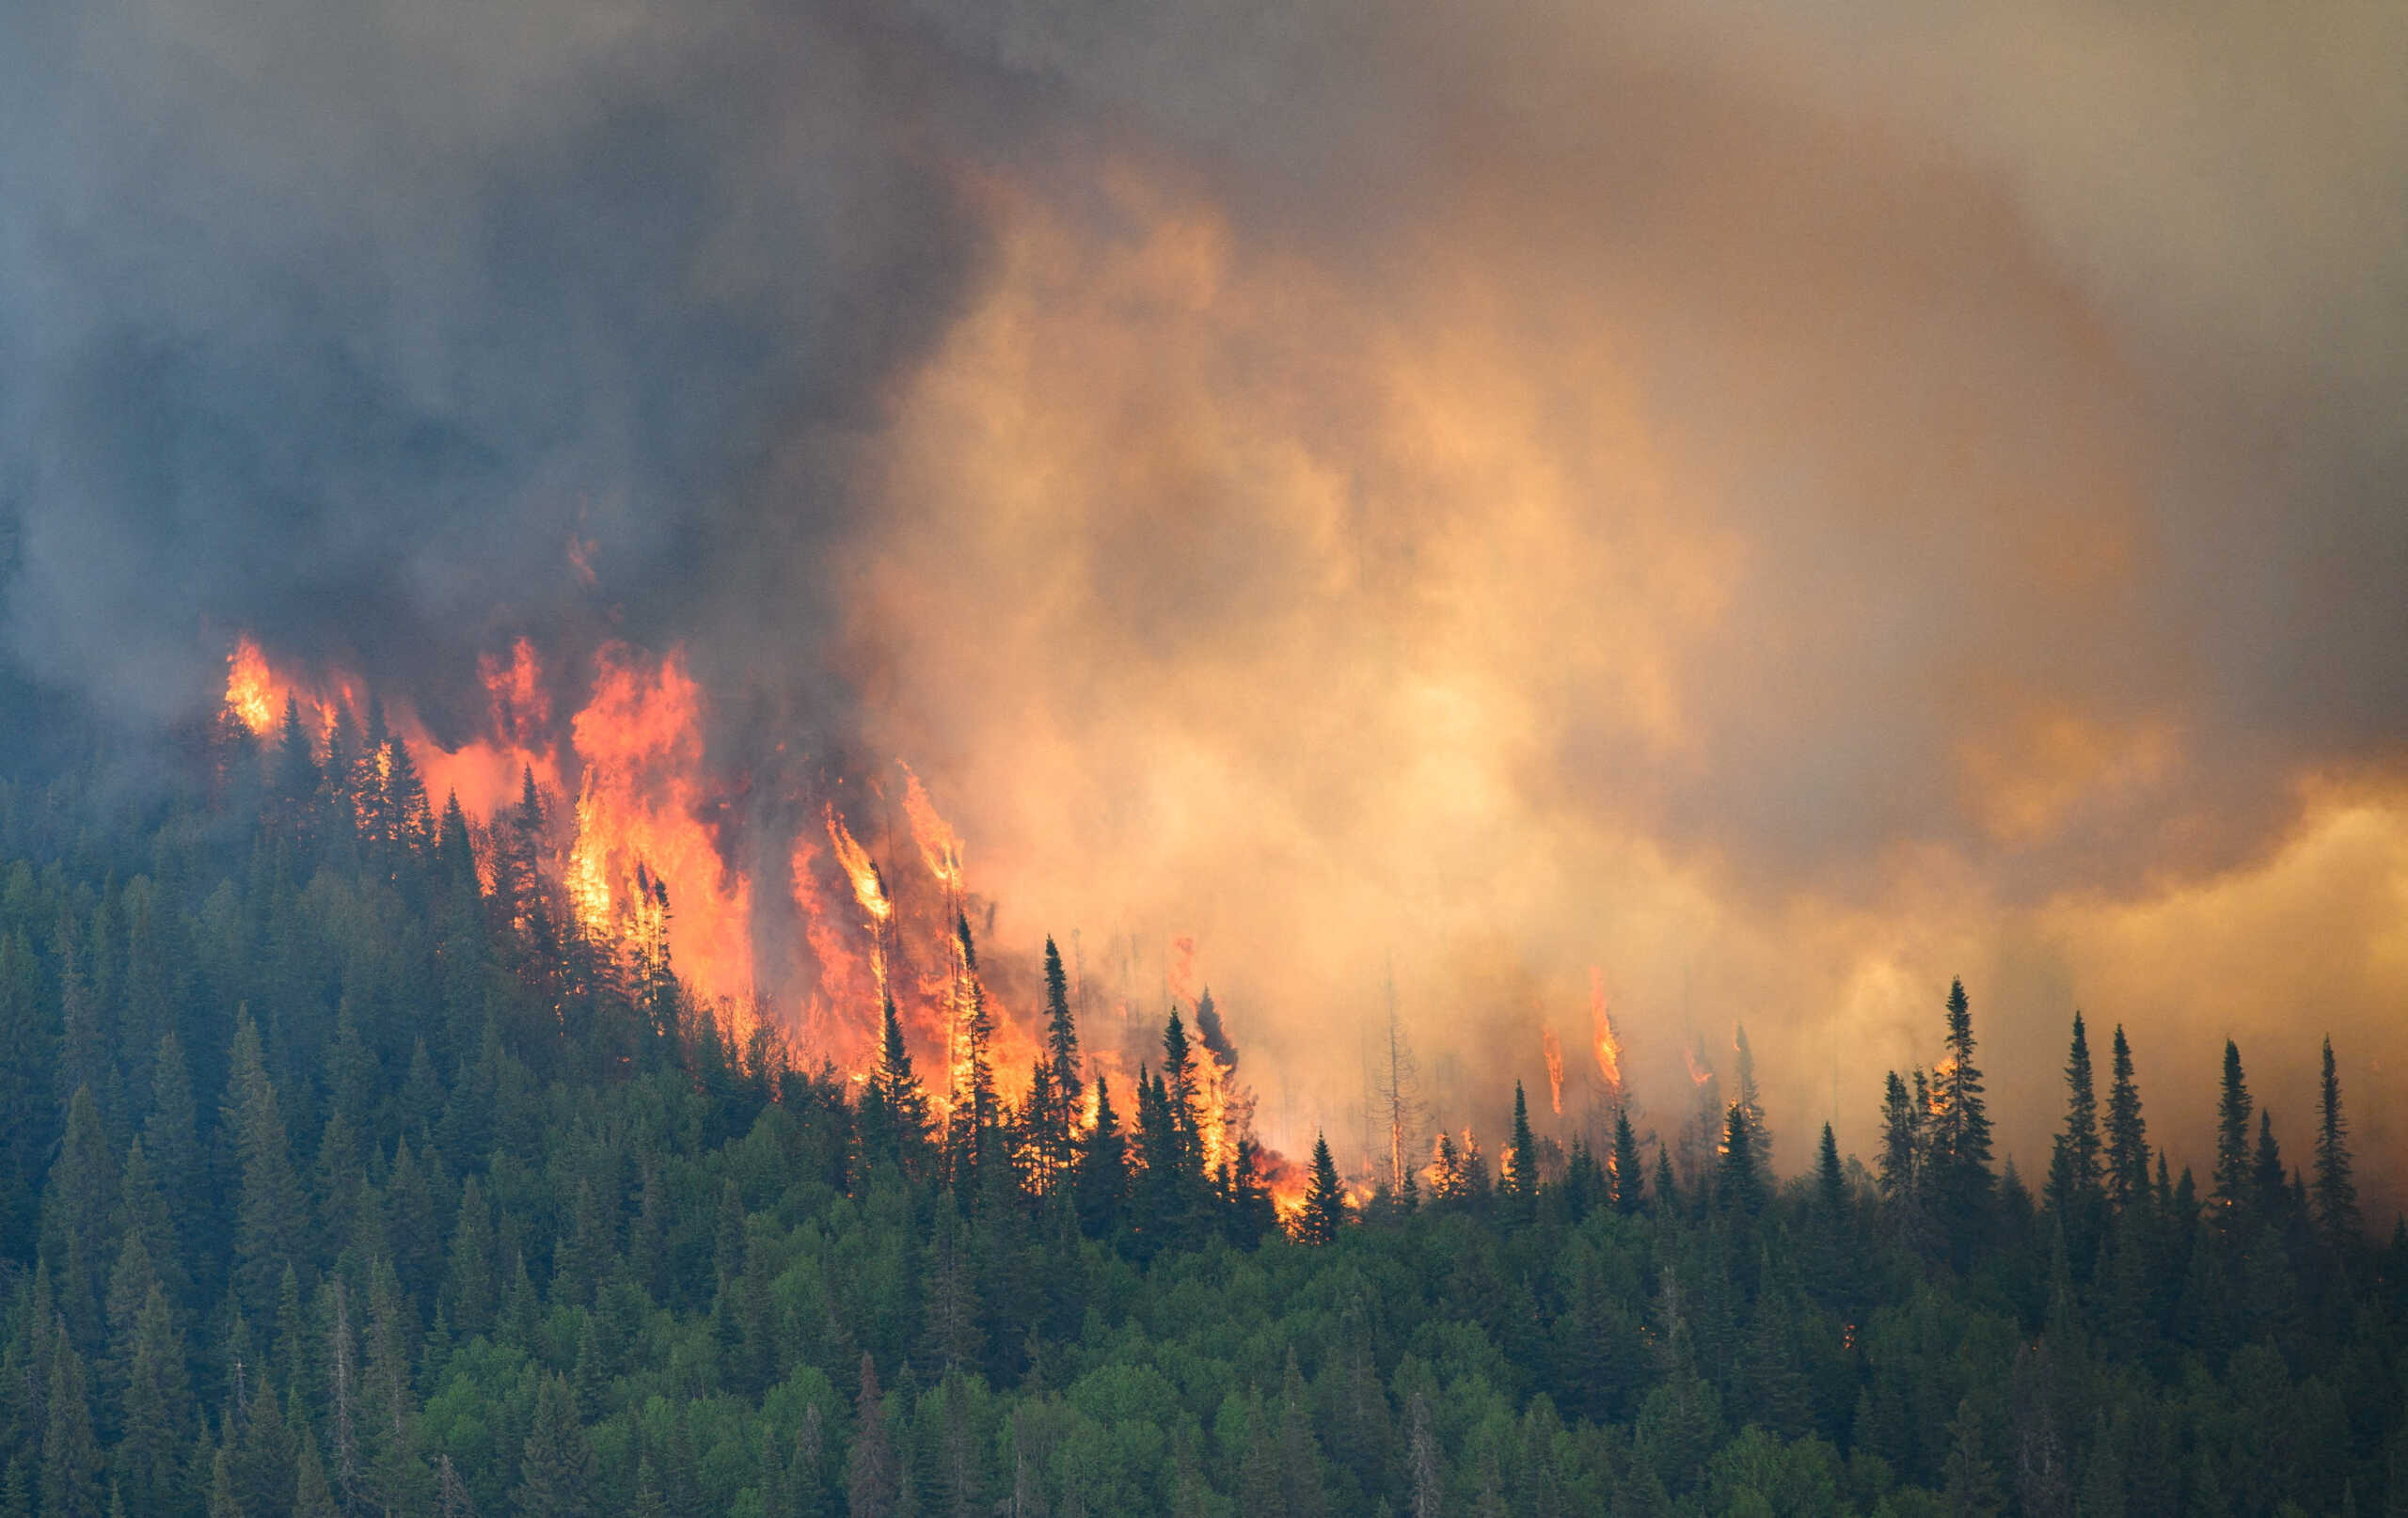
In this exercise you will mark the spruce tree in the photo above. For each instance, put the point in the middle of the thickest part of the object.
(2336, 1190)
(70, 1456)
(557, 1477)
(1323, 1213)
(271, 1224)
(895, 1106)
(2228, 1183)
(2127, 1133)
(1103, 1180)
(1629, 1194)
(873, 1477)
(971, 1131)
(1738, 1174)
(1522, 1165)
(1960, 1132)
(2074, 1191)
(1062, 1058)
(1830, 1182)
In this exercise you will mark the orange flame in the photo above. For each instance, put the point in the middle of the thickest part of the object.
(939, 845)
(868, 888)
(1554, 1049)
(639, 803)
(1697, 1075)
(1601, 1022)
(250, 687)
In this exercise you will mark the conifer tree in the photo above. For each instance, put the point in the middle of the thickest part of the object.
(2269, 1187)
(2074, 1190)
(1830, 1182)
(271, 1217)
(2127, 1133)
(873, 1476)
(1629, 1193)
(1102, 1179)
(1667, 1188)
(1062, 1056)
(1522, 1165)
(1900, 1175)
(1323, 1213)
(26, 1114)
(557, 1477)
(1747, 1094)
(1183, 1095)
(79, 1205)
(1959, 1132)
(2336, 1190)
(2228, 1182)
(70, 1456)
(155, 1425)
(895, 1106)
(1739, 1183)
(971, 1131)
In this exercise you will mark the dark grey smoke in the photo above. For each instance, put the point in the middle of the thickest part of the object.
(340, 323)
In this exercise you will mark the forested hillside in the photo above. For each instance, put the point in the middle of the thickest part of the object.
(340, 1174)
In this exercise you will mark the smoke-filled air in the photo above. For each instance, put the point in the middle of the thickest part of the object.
(1618, 547)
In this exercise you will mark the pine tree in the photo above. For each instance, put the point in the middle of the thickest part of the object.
(271, 1217)
(1739, 1183)
(895, 1106)
(1522, 1165)
(1102, 1179)
(155, 1425)
(1960, 1132)
(1183, 1097)
(1900, 1177)
(971, 1131)
(1062, 1056)
(1628, 1186)
(872, 1475)
(2127, 1133)
(1745, 1094)
(70, 1456)
(1667, 1188)
(1323, 1213)
(79, 1207)
(2074, 1190)
(2228, 1188)
(1830, 1182)
(2336, 1190)
(557, 1475)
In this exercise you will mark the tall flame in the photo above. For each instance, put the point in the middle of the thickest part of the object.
(1553, 1048)
(1609, 1044)
(869, 888)
(250, 687)
(640, 801)
(939, 845)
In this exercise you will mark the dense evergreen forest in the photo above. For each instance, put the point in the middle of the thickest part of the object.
(342, 1174)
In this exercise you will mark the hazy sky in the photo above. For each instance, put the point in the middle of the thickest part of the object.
(1779, 504)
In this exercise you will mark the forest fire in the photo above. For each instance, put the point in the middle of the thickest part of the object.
(646, 865)
(1552, 1047)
